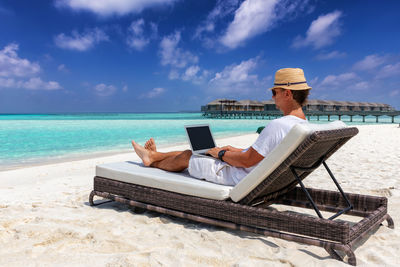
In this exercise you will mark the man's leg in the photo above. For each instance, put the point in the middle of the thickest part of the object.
(176, 161)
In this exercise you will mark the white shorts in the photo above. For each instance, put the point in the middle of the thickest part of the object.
(212, 170)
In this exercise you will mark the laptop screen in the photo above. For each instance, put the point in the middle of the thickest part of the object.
(200, 137)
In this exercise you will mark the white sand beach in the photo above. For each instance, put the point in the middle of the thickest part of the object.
(45, 218)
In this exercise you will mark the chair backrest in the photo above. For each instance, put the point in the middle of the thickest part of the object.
(303, 146)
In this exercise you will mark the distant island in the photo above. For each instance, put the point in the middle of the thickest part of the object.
(314, 107)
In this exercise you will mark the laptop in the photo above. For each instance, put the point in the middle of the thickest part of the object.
(200, 138)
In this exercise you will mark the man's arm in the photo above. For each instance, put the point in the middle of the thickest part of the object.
(231, 148)
(238, 158)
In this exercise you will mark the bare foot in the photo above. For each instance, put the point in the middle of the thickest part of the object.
(150, 145)
(143, 153)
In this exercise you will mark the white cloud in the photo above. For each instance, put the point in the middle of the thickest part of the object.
(362, 85)
(331, 55)
(13, 66)
(183, 63)
(370, 62)
(154, 30)
(172, 55)
(16, 72)
(104, 90)
(136, 38)
(195, 75)
(173, 75)
(389, 71)
(155, 92)
(34, 83)
(335, 80)
(37, 84)
(251, 18)
(375, 64)
(81, 42)
(236, 78)
(394, 93)
(191, 72)
(125, 88)
(62, 68)
(222, 9)
(321, 32)
(111, 7)
(8, 83)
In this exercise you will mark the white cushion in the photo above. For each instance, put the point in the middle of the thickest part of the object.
(293, 139)
(136, 173)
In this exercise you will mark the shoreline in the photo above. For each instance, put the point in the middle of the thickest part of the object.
(100, 154)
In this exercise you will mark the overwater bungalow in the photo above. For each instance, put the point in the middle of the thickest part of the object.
(231, 108)
(312, 105)
(250, 105)
(221, 105)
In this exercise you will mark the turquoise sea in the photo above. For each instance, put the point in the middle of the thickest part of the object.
(37, 138)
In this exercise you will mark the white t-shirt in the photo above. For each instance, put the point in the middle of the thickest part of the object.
(220, 172)
(274, 132)
(269, 138)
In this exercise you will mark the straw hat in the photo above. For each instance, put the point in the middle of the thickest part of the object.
(291, 79)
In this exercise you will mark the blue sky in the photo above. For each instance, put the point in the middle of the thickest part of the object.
(176, 55)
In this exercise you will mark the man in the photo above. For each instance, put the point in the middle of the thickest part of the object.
(231, 164)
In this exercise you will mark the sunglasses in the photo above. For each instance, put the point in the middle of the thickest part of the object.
(274, 91)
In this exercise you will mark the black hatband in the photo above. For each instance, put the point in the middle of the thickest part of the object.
(289, 83)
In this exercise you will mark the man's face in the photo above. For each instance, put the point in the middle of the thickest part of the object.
(277, 96)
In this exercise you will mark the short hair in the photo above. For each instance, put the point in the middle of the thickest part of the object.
(300, 96)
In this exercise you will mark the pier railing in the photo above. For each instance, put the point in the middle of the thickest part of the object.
(274, 114)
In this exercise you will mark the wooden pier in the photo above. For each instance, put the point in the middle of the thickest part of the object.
(275, 114)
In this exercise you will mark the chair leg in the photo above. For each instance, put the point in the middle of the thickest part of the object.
(389, 221)
(351, 256)
(346, 249)
(91, 196)
(91, 202)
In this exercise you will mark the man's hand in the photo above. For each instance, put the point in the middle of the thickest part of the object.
(214, 151)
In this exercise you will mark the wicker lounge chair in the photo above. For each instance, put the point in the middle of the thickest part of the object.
(245, 207)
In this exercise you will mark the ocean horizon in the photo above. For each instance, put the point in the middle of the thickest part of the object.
(29, 139)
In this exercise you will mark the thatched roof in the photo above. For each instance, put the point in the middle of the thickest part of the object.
(213, 103)
(367, 104)
(221, 101)
(313, 102)
(268, 102)
(338, 103)
(250, 103)
(352, 104)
